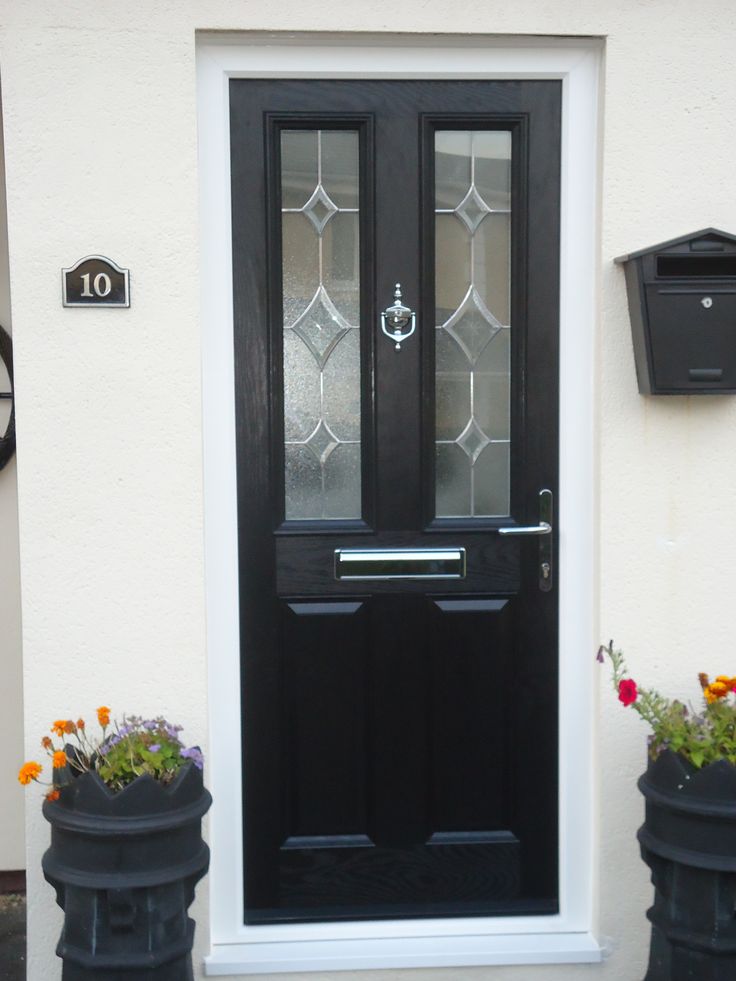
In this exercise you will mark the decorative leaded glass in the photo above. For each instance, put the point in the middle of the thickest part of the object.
(321, 304)
(472, 276)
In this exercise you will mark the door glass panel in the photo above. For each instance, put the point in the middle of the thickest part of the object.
(321, 307)
(472, 290)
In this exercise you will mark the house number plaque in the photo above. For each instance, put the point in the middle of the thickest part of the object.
(95, 282)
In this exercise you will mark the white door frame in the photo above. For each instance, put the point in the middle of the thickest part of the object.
(568, 936)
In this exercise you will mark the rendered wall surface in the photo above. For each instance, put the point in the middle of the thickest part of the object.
(12, 850)
(101, 154)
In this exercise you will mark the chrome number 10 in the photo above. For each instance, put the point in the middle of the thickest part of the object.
(101, 285)
(94, 281)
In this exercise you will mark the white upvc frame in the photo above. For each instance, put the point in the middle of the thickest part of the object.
(568, 936)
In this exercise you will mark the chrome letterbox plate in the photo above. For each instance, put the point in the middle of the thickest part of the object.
(360, 564)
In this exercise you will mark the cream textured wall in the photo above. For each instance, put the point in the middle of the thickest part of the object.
(101, 155)
(12, 850)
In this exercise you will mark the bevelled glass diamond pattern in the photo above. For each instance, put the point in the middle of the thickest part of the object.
(321, 326)
(472, 440)
(320, 208)
(472, 209)
(322, 441)
(472, 325)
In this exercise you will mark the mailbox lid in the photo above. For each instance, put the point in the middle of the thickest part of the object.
(707, 242)
(692, 334)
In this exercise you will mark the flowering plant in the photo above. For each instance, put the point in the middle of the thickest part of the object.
(701, 736)
(125, 750)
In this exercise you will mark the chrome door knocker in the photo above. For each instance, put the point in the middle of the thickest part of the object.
(396, 318)
(7, 439)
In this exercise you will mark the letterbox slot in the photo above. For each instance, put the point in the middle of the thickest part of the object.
(695, 291)
(696, 266)
(705, 374)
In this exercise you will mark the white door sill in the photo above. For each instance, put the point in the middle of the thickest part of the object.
(366, 954)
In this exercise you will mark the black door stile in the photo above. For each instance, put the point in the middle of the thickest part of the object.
(399, 745)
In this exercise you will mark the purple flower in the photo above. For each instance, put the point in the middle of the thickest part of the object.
(150, 725)
(599, 656)
(172, 731)
(154, 747)
(195, 755)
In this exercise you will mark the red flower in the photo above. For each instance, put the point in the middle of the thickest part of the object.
(627, 692)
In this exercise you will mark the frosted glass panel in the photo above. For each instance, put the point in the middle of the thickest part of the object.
(341, 477)
(452, 256)
(472, 301)
(340, 167)
(298, 166)
(451, 167)
(452, 395)
(491, 479)
(340, 271)
(321, 305)
(301, 389)
(300, 248)
(340, 394)
(453, 485)
(304, 489)
(492, 167)
(491, 258)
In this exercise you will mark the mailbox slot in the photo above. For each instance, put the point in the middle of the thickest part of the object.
(696, 266)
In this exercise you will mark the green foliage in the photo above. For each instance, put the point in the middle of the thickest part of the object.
(702, 737)
(138, 747)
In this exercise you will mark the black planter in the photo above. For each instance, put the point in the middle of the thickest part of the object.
(124, 866)
(688, 840)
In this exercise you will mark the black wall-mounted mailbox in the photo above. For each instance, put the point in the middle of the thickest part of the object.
(682, 303)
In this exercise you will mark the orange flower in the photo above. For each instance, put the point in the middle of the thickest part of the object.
(59, 727)
(80, 723)
(59, 759)
(46, 742)
(53, 795)
(69, 727)
(29, 771)
(714, 691)
(103, 715)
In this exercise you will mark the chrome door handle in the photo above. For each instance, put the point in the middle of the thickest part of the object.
(544, 531)
(543, 528)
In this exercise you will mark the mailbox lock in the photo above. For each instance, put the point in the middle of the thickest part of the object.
(707, 302)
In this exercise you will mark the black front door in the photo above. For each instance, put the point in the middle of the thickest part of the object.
(399, 645)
